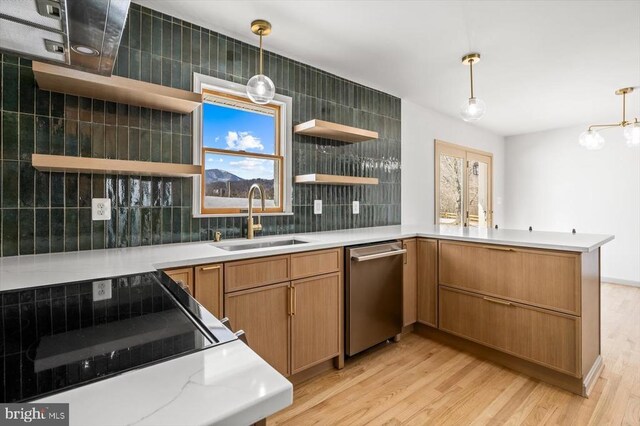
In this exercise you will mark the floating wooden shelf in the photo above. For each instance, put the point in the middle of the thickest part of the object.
(318, 179)
(63, 163)
(335, 131)
(116, 89)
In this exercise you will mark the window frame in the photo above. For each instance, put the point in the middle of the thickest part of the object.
(283, 106)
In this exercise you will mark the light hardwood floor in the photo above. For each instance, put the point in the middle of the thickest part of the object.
(420, 382)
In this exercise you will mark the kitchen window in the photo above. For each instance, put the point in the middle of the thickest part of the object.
(239, 143)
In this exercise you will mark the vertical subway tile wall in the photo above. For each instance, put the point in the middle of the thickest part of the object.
(51, 212)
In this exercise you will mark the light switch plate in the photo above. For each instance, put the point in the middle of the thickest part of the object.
(317, 206)
(356, 207)
(100, 209)
(101, 290)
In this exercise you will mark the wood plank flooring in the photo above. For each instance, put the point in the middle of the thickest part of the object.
(421, 382)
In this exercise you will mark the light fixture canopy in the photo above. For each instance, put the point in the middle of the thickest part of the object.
(473, 109)
(592, 139)
(260, 88)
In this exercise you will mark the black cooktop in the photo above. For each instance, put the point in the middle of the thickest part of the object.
(58, 337)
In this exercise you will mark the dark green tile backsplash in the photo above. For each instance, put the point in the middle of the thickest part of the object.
(51, 212)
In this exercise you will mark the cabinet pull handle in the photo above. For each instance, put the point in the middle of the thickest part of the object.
(290, 301)
(498, 301)
(293, 301)
(404, 246)
(210, 268)
(500, 248)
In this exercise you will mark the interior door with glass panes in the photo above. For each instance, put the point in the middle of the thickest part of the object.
(463, 186)
(450, 185)
(479, 210)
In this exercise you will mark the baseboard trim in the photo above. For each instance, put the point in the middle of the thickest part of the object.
(592, 376)
(620, 281)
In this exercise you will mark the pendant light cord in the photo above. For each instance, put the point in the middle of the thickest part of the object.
(471, 75)
(261, 52)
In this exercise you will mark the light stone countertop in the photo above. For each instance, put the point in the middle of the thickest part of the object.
(45, 269)
(223, 385)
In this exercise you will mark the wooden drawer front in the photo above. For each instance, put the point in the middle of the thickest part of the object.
(544, 337)
(538, 277)
(315, 263)
(251, 273)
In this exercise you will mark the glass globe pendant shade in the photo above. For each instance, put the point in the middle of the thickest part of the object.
(591, 140)
(261, 89)
(473, 109)
(632, 134)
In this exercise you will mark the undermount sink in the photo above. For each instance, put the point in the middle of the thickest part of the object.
(259, 244)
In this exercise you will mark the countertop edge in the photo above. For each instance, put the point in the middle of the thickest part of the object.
(542, 246)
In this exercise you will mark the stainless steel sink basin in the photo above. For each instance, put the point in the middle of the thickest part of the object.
(259, 244)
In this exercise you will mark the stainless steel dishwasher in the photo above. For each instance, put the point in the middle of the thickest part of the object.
(373, 298)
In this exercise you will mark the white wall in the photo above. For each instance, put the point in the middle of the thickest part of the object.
(420, 126)
(553, 184)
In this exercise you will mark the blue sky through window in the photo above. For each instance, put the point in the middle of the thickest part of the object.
(237, 130)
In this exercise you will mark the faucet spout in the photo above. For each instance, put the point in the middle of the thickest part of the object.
(253, 227)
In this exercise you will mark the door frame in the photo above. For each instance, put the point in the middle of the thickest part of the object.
(466, 153)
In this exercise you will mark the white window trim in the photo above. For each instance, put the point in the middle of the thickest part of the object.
(200, 82)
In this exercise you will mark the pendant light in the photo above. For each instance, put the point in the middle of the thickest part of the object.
(260, 88)
(473, 109)
(592, 139)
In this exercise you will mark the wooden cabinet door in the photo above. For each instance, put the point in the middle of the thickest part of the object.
(183, 276)
(208, 288)
(427, 259)
(263, 314)
(315, 320)
(410, 283)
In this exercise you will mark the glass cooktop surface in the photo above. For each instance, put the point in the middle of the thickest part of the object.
(58, 337)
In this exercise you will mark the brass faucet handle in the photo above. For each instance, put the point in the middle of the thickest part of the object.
(217, 236)
(257, 227)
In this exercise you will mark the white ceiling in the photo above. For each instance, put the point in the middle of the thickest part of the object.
(545, 64)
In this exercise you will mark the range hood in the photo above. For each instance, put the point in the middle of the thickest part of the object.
(83, 34)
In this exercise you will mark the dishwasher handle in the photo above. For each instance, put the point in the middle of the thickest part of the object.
(378, 255)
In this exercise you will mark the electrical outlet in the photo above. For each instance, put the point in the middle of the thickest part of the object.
(100, 209)
(317, 206)
(101, 290)
(356, 207)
